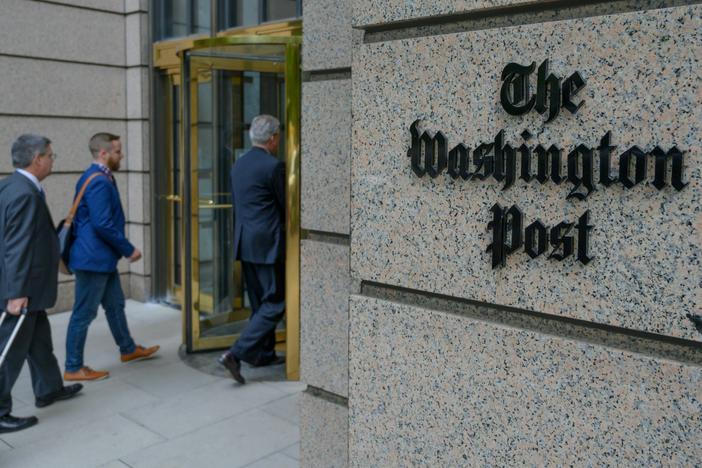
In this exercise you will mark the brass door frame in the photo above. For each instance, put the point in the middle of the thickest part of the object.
(191, 202)
(173, 290)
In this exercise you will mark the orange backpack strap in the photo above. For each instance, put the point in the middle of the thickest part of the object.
(71, 214)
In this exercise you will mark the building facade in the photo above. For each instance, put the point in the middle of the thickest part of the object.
(70, 70)
(494, 223)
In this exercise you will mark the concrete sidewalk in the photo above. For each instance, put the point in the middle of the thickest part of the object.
(154, 413)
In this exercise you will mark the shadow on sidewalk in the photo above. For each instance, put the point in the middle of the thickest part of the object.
(207, 362)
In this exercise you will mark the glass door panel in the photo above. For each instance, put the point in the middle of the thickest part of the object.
(224, 88)
(175, 211)
(167, 189)
(232, 99)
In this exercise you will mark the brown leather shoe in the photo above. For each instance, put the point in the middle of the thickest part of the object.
(139, 353)
(85, 373)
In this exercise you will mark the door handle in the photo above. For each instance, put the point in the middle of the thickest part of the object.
(213, 206)
(173, 198)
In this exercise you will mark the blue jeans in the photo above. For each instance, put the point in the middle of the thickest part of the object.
(93, 289)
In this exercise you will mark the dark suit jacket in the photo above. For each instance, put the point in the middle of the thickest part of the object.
(29, 246)
(258, 197)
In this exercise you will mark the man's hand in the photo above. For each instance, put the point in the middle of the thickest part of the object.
(136, 255)
(15, 306)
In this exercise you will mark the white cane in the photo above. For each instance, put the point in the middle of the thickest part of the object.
(23, 314)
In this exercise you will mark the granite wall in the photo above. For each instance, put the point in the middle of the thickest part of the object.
(325, 274)
(467, 347)
(497, 395)
(83, 72)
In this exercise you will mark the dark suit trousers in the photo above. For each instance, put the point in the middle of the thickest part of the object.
(266, 289)
(33, 342)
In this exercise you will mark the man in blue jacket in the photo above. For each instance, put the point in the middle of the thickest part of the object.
(258, 195)
(99, 243)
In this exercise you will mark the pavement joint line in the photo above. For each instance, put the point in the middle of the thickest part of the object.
(166, 398)
(7, 443)
(124, 382)
(272, 385)
(130, 419)
(270, 412)
(209, 423)
(240, 413)
(280, 418)
(284, 449)
(261, 406)
(164, 441)
(279, 452)
(288, 456)
(258, 460)
(197, 429)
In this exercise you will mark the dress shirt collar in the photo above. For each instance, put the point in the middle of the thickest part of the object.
(33, 178)
(106, 170)
(262, 148)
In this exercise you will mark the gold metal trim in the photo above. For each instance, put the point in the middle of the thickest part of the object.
(213, 206)
(212, 42)
(194, 260)
(293, 91)
(165, 53)
(293, 104)
(174, 291)
(216, 63)
(279, 28)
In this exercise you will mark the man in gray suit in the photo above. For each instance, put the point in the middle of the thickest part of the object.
(29, 255)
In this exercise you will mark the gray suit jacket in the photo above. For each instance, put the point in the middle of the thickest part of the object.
(29, 249)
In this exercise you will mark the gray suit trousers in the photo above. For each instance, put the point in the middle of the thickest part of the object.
(33, 342)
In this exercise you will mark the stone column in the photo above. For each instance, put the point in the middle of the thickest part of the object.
(138, 43)
(325, 282)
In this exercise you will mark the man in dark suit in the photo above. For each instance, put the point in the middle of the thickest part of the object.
(100, 242)
(258, 195)
(28, 279)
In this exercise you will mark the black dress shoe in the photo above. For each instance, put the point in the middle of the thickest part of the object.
(274, 361)
(64, 394)
(233, 365)
(9, 423)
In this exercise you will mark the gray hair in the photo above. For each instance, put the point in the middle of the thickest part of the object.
(26, 147)
(263, 127)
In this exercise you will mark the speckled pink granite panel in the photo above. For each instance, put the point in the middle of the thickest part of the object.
(368, 12)
(326, 148)
(644, 83)
(433, 389)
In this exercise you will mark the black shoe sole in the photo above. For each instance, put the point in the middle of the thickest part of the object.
(275, 362)
(45, 403)
(19, 428)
